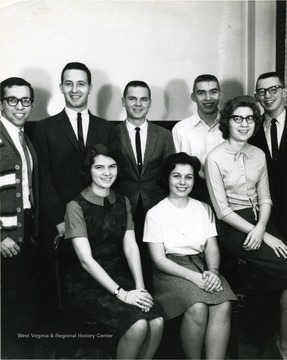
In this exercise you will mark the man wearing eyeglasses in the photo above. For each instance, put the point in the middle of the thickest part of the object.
(272, 139)
(18, 218)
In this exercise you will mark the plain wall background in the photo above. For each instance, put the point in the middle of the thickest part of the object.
(165, 43)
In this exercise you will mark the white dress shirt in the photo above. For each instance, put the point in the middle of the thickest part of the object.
(196, 138)
(13, 131)
(72, 115)
(280, 127)
(143, 134)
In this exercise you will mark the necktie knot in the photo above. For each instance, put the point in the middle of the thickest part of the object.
(273, 121)
(138, 129)
(22, 138)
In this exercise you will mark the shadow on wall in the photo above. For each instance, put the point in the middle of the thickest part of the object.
(177, 100)
(41, 81)
(230, 89)
(109, 102)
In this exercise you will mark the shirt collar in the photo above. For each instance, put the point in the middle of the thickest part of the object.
(198, 120)
(90, 196)
(280, 119)
(244, 152)
(11, 128)
(72, 114)
(132, 127)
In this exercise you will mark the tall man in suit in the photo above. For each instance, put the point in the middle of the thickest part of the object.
(272, 139)
(18, 219)
(61, 142)
(143, 148)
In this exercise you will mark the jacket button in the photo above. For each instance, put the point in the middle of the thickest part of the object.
(19, 209)
(20, 240)
(19, 224)
(17, 167)
(17, 181)
(18, 194)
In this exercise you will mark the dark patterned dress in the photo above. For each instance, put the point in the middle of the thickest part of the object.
(104, 222)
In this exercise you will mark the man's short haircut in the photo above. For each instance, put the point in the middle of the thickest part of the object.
(77, 66)
(205, 78)
(136, 83)
(15, 81)
(269, 75)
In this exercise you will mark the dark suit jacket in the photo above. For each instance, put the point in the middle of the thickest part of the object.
(60, 160)
(277, 173)
(133, 184)
(11, 192)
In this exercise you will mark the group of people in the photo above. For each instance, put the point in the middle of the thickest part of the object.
(145, 211)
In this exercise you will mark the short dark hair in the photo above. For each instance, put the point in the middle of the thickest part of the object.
(231, 105)
(93, 151)
(15, 81)
(77, 66)
(204, 78)
(269, 75)
(136, 83)
(178, 158)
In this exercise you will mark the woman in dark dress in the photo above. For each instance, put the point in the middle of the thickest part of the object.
(106, 285)
(237, 181)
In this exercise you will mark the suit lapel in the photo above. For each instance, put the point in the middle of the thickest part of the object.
(263, 140)
(126, 144)
(283, 142)
(152, 135)
(92, 131)
(65, 125)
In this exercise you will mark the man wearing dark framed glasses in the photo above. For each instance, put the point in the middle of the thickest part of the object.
(272, 139)
(18, 218)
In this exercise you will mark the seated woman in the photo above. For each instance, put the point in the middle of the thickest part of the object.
(181, 236)
(106, 284)
(238, 185)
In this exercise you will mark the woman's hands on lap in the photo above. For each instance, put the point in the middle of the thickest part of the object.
(212, 282)
(140, 298)
(208, 281)
(276, 245)
(254, 238)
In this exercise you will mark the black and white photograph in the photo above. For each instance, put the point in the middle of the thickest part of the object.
(143, 179)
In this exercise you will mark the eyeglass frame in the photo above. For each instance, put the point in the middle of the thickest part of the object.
(242, 118)
(268, 89)
(18, 100)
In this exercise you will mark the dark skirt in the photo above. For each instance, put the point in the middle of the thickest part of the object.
(175, 294)
(268, 272)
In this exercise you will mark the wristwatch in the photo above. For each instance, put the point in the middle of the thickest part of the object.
(116, 292)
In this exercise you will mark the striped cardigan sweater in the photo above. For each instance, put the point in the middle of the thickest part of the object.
(11, 202)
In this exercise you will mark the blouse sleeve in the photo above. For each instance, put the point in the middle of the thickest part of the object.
(130, 223)
(75, 225)
(216, 188)
(152, 228)
(262, 188)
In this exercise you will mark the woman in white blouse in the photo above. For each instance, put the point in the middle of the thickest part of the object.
(181, 236)
(237, 181)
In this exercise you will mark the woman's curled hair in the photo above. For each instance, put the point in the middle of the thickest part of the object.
(229, 108)
(179, 158)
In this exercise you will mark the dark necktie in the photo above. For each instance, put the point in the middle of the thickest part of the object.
(80, 134)
(139, 149)
(274, 140)
(29, 166)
